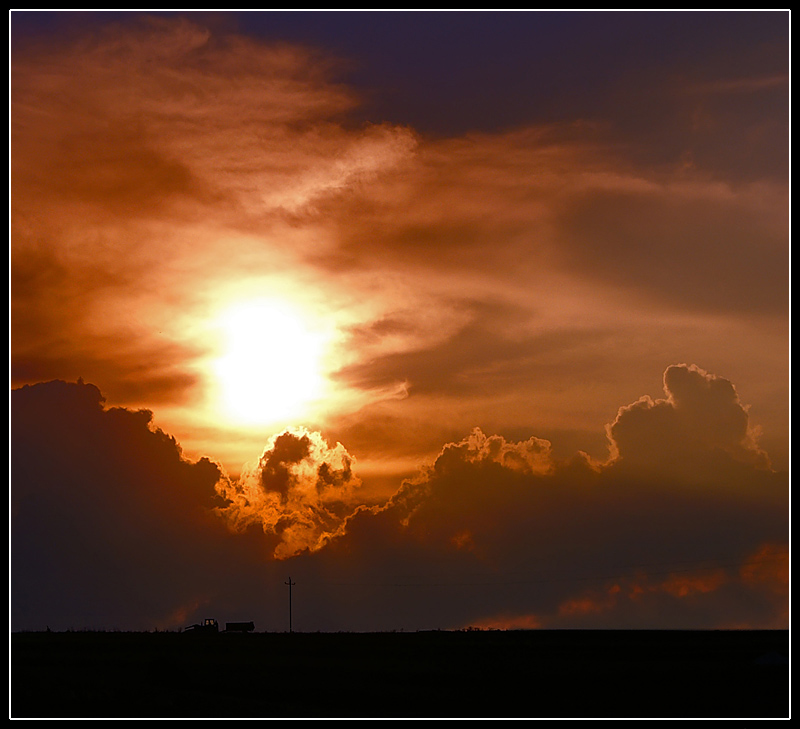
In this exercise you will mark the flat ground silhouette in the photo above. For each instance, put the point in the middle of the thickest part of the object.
(438, 674)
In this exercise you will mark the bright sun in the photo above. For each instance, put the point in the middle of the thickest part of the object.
(271, 366)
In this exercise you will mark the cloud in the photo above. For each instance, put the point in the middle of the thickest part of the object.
(699, 422)
(110, 522)
(298, 493)
(755, 597)
(684, 482)
(152, 156)
(544, 250)
(161, 113)
(690, 244)
(161, 170)
(528, 206)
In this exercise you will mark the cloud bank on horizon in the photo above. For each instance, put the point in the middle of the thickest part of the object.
(685, 524)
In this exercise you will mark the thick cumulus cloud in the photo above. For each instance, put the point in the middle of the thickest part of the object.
(684, 524)
(298, 493)
(675, 528)
(109, 522)
(113, 527)
(700, 421)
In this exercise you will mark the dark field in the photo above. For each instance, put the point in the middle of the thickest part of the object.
(473, 674)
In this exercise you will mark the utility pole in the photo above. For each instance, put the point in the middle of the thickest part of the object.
(290, 583)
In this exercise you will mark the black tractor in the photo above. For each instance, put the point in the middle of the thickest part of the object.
(209, 625)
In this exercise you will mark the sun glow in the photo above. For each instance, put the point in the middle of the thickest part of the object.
(271, 368)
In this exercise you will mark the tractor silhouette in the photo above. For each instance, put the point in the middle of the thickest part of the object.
(211, 626)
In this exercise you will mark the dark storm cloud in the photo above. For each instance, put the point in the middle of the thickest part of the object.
(109, 523)
(668, 525)
(684, 525)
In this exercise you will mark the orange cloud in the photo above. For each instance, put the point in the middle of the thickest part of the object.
(160, 169)
(298, 493)
(594, 603)
(684, 585)
(462, 540)
(154, 164)
(769, 568)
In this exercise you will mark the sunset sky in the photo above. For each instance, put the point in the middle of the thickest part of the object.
(455, 318)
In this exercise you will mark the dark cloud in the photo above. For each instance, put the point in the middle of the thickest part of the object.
(698, 430)
(683, 525)
(666, 526)
(274, 464)
(110, 525)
